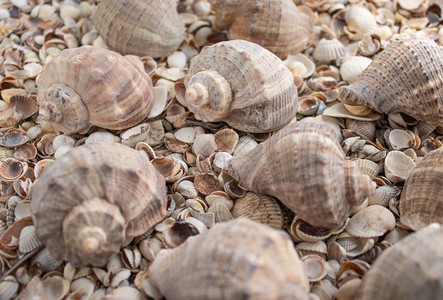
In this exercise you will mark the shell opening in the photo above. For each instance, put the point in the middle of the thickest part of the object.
(64, 109)
(208, 96)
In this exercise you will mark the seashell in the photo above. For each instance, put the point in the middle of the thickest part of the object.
(55, 287)
(383, 195)
(315, 267)
(235, 246)
(368, 45)
(87, 227)
(135, 134)
(339, 110)
(63, 140)
(368, 167)
(366, 129)
(146, 28)
(413, 88)
(220, 161)
(328, 50)
(204, 145)
(8, 287)
(220, 197)
(25, 152)
(221, 212)
(28, 240)
(124, 292)
(421, 201)
(25, 106)
(348, 290)
(73, 105)
(186, 134)
(372, 221)
(360, 20)
(247, 96)
(360, 111)
(40, 166)
(226, 140)
(303, 231)
(281, 27)
(259, 208)
(13, 138)
(169, 167)
(206, 183)
(300, 65)
(308, 105)
(400, 139)
(398, 166)
(245, 144)
(12, 169)
(44, 261)
(318, 247)
(353, 66)
(177, 233)
(413, 264)
(272, 168)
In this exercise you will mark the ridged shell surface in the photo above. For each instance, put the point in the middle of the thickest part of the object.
(411, 269)
(264, 97)
(421, 200)
(304, 167)
(240, 259)
(406, 77)
(91, 86)
(143, 28)
(277, 25)
(107, 174)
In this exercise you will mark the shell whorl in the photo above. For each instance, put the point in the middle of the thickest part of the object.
(252, 89)
(94, 230)
(406, 77)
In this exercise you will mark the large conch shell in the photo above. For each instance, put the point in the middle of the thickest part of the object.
(239, 259)
(304, 167)
(421, 201)
(89, 200)
(277, 25)
(241, 83)
(411, 269)
(143, 28)
(406, 77)
(91, 86)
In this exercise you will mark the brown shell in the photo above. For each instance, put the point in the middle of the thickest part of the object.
(246, 86)
(421, 200)
(277, 25)
(99, 187)
(91, 86)
(143, 28)
(411, 269)
(406, 77)
(304, 167)
(239, 259)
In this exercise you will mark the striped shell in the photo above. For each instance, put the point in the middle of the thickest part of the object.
(304, 167)
(421, 201)
(277, 25)
(143, 28)
(411, 269)
(407, 77)
(87, 201)
(241, 83)
(240, 259)
(84, 87)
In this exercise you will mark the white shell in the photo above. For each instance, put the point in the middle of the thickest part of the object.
(398, 166)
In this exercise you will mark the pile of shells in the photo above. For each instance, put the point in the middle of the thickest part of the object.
(221, 149)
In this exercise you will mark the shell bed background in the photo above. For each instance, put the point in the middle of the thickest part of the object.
(192, 155)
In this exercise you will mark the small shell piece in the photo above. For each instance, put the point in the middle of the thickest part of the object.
(240, 83)
(421, 201)
(87, 201)
(410, 269)
(144, 28)
(405, 77)
(299, 165)
(277, 25)
(103, 97)
(233, 260)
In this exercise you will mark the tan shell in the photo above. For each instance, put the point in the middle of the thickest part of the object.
(406, 77)
(304, 167)
(240, 259)
(411, 269)
(144, 28)
(241, 83)
(84, 87)
(86, 202)
(277, 25)
(421, 201)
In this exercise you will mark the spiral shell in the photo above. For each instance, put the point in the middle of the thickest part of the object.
(84, 87)
(239, 259)
(421, 201)
(411, 269)
(241, 83)
(407, 77)
(277, 25)
(86, 202)
(304, 167)
(143, 28)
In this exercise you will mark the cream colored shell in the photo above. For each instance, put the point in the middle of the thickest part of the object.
(277, 25)
(239, 259)
(143, 28)
(406, 77)
(89, 200)
(91, 86)
(241, 83)
(304, 167)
